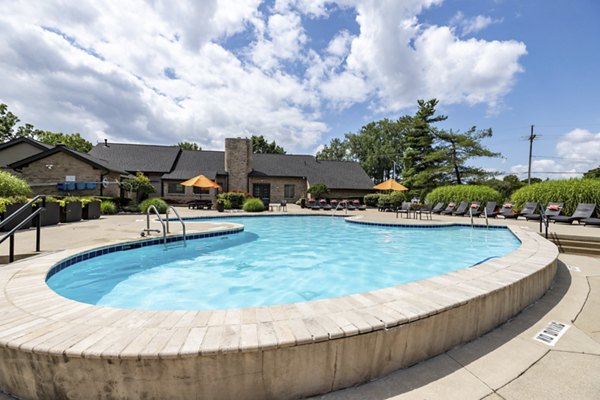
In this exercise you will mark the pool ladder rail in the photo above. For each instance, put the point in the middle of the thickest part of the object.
(487, 222)
(165, 227)
(336, 208)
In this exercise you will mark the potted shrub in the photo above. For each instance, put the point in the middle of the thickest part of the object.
(220, 205)
(9, 206)
(91, 208)
(51, 213)
(253, 205)
(70, 210)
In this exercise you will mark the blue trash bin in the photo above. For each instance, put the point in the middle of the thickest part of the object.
(70, 186)
(80, 185)
(90, 185)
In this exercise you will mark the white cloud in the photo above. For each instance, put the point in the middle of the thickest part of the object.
(161, 72)
(473, 24)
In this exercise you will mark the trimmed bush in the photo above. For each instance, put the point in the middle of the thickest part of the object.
(371, 199)
(236, 199)
(397, 197)
(160, 205)
(107, 207)
(458, 193)
(10, 185)
(254, 205)
(568, 191)
(384, 200)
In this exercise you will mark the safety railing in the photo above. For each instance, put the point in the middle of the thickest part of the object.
(14, 217)
(180, 220)
(148, 230)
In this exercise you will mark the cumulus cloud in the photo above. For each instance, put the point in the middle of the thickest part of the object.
(162, 72)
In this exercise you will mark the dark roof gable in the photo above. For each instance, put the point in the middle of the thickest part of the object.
(138, 157)
(86, 158)
(34, 143)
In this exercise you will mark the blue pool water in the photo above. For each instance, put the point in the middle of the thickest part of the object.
(276, 260)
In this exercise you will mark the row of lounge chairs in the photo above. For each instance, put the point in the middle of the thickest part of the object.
(350, 205)
(583, 213)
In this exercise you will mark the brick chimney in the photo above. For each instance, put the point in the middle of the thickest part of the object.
(238, 163)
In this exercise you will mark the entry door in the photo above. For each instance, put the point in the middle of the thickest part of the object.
(261, 190)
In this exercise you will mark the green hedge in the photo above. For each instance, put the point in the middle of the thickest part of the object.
(569, 191)
(254, 205)
(10, 185)
(236, 199)
(160, 205)
(370, 200)
(458, 193)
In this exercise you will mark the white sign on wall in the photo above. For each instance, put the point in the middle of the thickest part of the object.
(70, 178)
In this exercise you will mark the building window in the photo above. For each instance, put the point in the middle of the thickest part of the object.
(288, 191)
(198, 190)
(175, 188)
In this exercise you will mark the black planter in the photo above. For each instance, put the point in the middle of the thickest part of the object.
(71, 212)
(11, 209)
(51, 214)
(91, 210)
(220, 206)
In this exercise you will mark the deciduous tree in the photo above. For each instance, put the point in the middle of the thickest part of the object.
(260, 145)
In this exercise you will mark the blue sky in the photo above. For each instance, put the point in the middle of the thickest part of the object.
(302, 72)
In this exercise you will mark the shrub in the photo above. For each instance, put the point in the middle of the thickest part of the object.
(317, 190)
(299, 201)
(107, 207)
(371, 199)
(160, 205)
(10, 185)
(384, 200)
(397, 197)
(6, 201)
(569, 191)
(253, 205)
(458, 193)
(236, 199)
(69, 199)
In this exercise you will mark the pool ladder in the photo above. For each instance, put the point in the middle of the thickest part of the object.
(336, 208)
(487, 222)
(165, 227)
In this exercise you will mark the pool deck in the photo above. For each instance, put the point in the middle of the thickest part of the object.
(505, 363)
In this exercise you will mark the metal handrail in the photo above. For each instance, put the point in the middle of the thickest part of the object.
(13, 216)
(487, 223)
(153, 208)
(471, 214)
(336, 208)
(545, 220)
(180, 220)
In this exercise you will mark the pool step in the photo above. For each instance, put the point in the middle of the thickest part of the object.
(570, 244)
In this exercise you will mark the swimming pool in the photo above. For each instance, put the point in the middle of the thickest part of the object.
(277, 260)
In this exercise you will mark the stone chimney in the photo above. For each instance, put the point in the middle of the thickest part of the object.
(238, 163)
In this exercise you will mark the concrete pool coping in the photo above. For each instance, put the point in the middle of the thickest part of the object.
(38, 323)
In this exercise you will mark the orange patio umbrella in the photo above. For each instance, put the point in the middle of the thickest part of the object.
(390, 184)
(202, 182)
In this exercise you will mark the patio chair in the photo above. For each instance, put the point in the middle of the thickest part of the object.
(590, 221)
(323, 204)
(583, 211)
(552, 210)
(507, 211)
(449, 210)
(359, 207)
(462, 209)
(490, 210)
(439, 207)
(350, 206)
(283, 205)
(404, 209)
(426, 210)
(528, 209)
(473, 209)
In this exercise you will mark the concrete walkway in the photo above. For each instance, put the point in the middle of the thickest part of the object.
(506, 363)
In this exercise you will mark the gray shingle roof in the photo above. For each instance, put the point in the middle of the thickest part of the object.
(334, 174)
(137, 157)
(193, 163)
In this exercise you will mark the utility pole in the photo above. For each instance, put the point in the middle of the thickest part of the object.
(531, 138)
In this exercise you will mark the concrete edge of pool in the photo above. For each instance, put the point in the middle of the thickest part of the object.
(52, 347)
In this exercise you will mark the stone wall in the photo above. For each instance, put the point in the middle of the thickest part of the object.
(238, 163)
(278, 187)
(44, 174)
